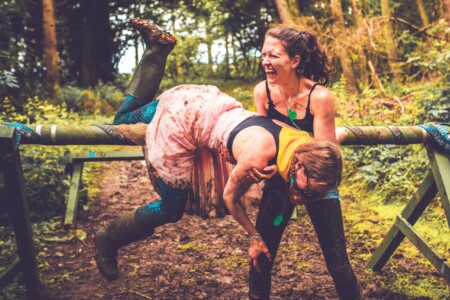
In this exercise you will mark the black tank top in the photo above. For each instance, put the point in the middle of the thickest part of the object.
(305, 124)
(260, 121)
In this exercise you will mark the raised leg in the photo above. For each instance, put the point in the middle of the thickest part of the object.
(147, 76)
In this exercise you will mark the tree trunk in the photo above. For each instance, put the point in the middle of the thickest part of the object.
(209, 41)
(356, 14)
(360, 66)
(390, 39)
(50, 51)
(284, 12)
(179, 68)
(136, 53)
(227, 58)
(423, 13)
(98, 47)
(344, 57)
(446, 8)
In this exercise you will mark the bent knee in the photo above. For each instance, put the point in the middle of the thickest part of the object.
(173, 216)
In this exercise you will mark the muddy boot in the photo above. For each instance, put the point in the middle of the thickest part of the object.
(149, 72)
(122, 231)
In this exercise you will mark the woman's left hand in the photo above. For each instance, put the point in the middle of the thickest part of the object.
(256, 175)
(257, 247)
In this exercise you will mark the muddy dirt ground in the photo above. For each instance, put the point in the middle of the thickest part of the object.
(194, 258)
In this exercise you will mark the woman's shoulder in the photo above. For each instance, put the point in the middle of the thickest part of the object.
(320, 93)
(259, 91)
(260, 88)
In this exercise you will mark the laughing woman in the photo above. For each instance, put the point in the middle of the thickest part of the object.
(296, 71)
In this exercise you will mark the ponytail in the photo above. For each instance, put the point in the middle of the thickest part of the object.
(314, 62)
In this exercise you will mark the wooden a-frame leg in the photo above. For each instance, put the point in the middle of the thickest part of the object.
(440, 166)
(415, 207)
(74, 193)
(17, 208)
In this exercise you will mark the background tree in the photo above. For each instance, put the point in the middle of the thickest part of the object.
(344, 57)
(389, 38)
(50, 50)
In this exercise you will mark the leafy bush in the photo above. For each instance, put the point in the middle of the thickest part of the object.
(43, 172)
(105, 98)
(433, 63)
(43, 166)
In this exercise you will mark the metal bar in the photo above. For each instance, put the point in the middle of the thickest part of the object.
(440, 166)
(17, 208)
(436, 260)
(415, 207)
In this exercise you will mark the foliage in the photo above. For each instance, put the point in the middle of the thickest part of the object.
(46, 181)
(434, 65)
(378, 177)
(104, 98)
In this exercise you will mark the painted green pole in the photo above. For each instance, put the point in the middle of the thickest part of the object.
(352, 135)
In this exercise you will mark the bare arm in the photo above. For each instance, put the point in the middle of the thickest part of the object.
(253, 149)
(235, 188)
(322, 107)
(260, 97)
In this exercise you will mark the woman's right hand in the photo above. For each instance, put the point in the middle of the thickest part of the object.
(257, 247)
(257, 176)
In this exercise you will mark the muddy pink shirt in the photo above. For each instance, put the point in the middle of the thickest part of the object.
(190, 117)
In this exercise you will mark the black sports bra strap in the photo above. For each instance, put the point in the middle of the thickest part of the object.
(270, 102)
(309, 97)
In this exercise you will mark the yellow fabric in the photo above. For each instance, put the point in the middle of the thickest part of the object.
(290, 140)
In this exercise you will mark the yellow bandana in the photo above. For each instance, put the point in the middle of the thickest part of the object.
(290, 140)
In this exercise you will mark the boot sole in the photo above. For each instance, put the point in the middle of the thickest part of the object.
(99, 241)
(153, 32)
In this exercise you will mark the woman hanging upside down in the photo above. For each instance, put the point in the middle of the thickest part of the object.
(191, 117)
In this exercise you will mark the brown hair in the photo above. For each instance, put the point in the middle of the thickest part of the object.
(314, 62)
(321, 159)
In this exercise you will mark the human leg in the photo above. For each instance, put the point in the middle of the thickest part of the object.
(148, 74)
(326, 216)
(275, 201)
(137, 225)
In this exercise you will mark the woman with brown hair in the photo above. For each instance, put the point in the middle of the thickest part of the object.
(296, 70)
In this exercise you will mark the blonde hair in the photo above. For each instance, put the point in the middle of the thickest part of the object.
(321, 159)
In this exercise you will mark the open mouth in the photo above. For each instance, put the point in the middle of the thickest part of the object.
(271, 73)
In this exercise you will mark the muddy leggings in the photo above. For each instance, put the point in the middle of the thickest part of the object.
(169, 209)
(326, 217)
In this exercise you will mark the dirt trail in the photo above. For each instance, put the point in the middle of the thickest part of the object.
(192, 259)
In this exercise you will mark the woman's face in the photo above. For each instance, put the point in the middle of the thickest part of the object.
(276, 62)
(307, 187)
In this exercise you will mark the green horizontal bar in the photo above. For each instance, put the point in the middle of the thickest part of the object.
(355, 135)
(107, 156)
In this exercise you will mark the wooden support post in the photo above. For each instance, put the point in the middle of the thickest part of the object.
(415, 207)
(440, 166)
(436, 260)
(9, 274)
(17, 208)
(72, 199)
(438, 180)
(77, 165)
